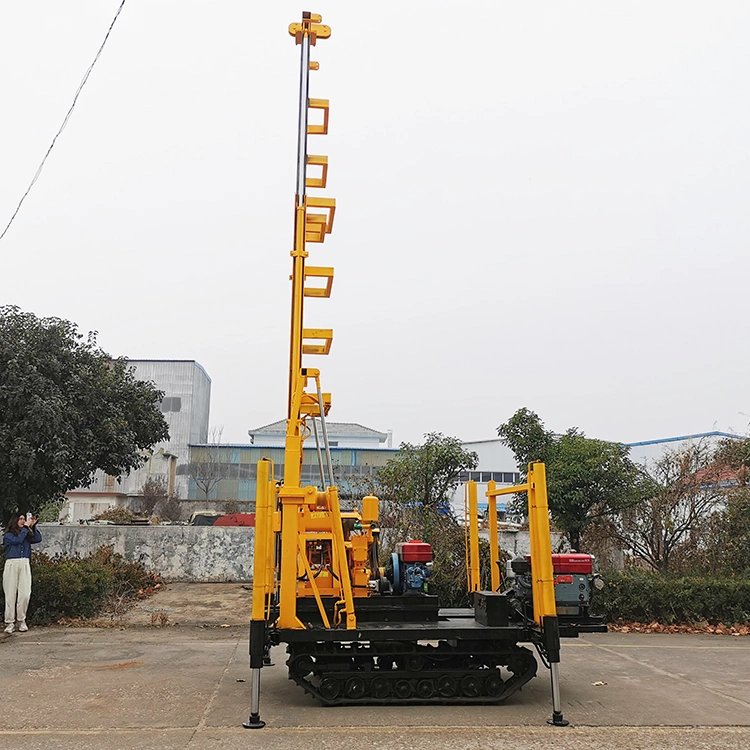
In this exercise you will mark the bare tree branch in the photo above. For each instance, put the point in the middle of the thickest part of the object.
(669, 523)
(210, 469)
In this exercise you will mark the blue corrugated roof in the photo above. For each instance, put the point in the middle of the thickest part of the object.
(714, 433)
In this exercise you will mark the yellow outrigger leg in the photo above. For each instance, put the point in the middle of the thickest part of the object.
(543, 582)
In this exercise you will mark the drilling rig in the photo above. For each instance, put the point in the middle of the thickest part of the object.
(358, 632)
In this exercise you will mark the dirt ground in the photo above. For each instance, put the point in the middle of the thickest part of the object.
(194, 604)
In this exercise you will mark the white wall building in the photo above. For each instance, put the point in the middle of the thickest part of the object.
(186, 403)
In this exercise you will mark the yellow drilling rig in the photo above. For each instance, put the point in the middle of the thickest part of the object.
(357, 631)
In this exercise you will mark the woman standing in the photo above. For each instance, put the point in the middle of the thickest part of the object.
(20, 534)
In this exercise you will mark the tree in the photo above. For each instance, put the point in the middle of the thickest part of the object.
(426, 475)
(155, 490)
(170, 508)
(66, 409)
(734, 454)
(672, 524)
(525, 435)
(726, 547)
(588, 479)
(415, 488)
(209, 470)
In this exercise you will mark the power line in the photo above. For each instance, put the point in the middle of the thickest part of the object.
(65, 121)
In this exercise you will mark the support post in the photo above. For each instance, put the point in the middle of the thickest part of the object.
(542, 581)
(339, 552)
(542, 578)
(474, 584)
(257, 641)
(494, 542)
(263, 547)
(551, 635)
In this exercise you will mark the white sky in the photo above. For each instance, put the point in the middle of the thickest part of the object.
(539, 204)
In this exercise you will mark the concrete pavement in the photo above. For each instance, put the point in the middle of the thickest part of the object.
(184, 686)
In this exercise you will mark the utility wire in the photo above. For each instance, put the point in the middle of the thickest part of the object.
(65, 121)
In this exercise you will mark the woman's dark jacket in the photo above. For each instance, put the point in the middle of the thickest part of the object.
(19, 545)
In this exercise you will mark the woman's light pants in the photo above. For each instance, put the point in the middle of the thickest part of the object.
(17, 589)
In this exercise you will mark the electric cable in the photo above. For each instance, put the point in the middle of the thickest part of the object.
(65, 120)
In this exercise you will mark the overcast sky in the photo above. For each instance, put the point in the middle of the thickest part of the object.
(541, 204)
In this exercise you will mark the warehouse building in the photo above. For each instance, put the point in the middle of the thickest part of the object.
(647, 452)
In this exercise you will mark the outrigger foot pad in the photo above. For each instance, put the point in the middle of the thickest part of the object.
(557, 720)
(254, 722)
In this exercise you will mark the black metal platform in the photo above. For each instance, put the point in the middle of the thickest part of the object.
(463, 628)
(450, 624)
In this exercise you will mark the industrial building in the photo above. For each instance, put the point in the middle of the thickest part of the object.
(229, 471)
(186, 404)
(646, 452)
(199, 471)
(204, 473)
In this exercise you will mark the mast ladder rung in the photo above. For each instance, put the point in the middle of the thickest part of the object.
(324, 335)
(322, 179)
(320, 128)
(319, 272)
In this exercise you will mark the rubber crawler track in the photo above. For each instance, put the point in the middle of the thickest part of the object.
(388, 673)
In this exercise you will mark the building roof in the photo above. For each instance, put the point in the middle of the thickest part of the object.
(697, 435)
(339, 429)
(658, 441)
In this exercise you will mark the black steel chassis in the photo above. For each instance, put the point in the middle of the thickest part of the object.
(452, 661)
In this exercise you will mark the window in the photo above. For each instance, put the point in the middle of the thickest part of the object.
(171, 404)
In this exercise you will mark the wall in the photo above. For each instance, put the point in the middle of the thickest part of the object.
(519, 542)
(192, 553)
(177, 553)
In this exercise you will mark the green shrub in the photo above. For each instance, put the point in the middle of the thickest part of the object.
(67, 587)
(80, 588)
(642, 596)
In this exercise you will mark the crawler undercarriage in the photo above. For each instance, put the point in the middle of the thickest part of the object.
(455, 671)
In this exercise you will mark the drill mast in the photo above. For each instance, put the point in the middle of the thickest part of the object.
(312, 561)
